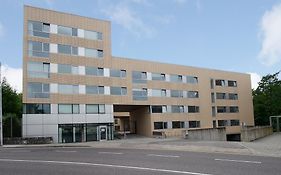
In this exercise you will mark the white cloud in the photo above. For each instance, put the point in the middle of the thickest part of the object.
(1, 30)
(13, 76)
(127, 18)
(255, 79)
(270, 52)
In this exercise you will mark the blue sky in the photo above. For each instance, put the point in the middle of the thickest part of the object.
(241, 35)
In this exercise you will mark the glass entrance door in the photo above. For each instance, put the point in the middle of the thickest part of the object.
(103, 133)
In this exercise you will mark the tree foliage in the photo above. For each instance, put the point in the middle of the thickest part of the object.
(267, 99)
(12, 110)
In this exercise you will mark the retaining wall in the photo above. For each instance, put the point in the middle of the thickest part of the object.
(211, 134)
(249, 134)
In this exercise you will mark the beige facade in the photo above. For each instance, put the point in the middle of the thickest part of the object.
(182, 105)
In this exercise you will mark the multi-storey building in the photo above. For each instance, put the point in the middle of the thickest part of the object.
(73, 87)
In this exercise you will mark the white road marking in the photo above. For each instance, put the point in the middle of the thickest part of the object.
(241, 161)
(159, 155)
(20, 151)
(110, 153)
(103, 165)
(63, 151)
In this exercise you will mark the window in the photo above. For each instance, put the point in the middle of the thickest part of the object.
(38, 49)
(214, 124)
(93, 53)
(222, 123)
(221, 109)
(67, 49)
(177, 93)
(36, 108)
(234, 123)
(232, 83)
(220, 95)
(193, 94)
(156, 92)
(194, 124)
(94, 89)
(163, 93)
(64, 68)
(94, 71)
(213, 111)
(177, 109)
(118, 90)
(92, 35)
(176, 78)
(158, 76)
(38, 90)
(68, 89)
(212, 83)
(232, 96)
(177, 124)
(95, 108)
(220, 83)
(39, 29)
(156, 109)
(139, 94)
(100, 71)
(213, 97)
(233, 109)
(67, 31)
(191, 80)
(139, 77)
(160, 125)
(38, 70)
(68, 109)
(117, 73)
(193, 109)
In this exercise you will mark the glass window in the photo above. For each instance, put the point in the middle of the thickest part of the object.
(100, 53)
(67, 31)
(213, 97)
(178, 124)
(117, 73)
(177, 109)
(92, 35)
(222, 123)
(101, 108)
(95, 108)
(193, 109)
(176, 78)
(99, 36)
(91, 53)
(68, 89)
(38, 70)
(36, 108)
(94, 89)
(118, 90)
(234, 123)
(233, 109)
(220, 95)
(213, 111)
(160, 125)
(163, 93)
(212, 83)
(64, 49)
(123, 73)
(158, 76)
(221, 109)
(64, 68)
(220, 83)
(91, 70)
(38, 90)
(74, 32)
(193, 94)
(139, 77)
(232, 96)
(75, 70)
(39, 29)
(156, 92)
(74, 50)
(156, 109)
(139, 94)
(38, 49)
(100, 71)
(194, 124)
(232, 83)
(191, 80)
(68, 108)
(177, 93)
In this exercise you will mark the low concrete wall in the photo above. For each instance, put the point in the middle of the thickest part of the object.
(249, 134)
(211, 134)
(27, 140)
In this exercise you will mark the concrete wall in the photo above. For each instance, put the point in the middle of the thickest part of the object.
(214, 134)
(249, 134)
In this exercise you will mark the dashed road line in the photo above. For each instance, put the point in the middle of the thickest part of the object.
(159, 155)
(110, 153)
(240, 161)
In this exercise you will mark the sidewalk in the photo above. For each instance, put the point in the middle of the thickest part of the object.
(269, 146)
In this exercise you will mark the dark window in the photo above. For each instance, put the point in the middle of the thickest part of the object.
(156, 109)
(160, 125)
(222, 123)
(234, 122)
(213, 97)
(193, 109)
(177, 109)
(193, 94)
(36, 108)
(221, 109)
(232, 96)
(221, 95)
(194, 124)
(220, 83)
(178, 124)
(191, 80)
(177, 93)
(232, 83)
(233, 109)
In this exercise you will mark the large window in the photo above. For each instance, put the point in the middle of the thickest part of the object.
(68, 109)
(194, 124)
(139, 77)
(233, 109)
(36, 108)
(232, 96)
(223, 123)
(139, 94)
(192, 94)
(176, 78)
(160, 125)
(67, 49)
(232, 83)
(92, 35)
(38, 90)
(95, 108)
(38, 49)
(68, 89)
(220, 83)
(93, 53)
(39, 29)
(117, 73)
(94, 89)
(158, 76)
(221, 95)
(118, 90)
(177, 93)
(67, 31)
(158, 92)
(221, 109)
(67, 69)
(38, 70)
(177, 109)
(193, 109)
(94, 71)
(191, 80)
(156, 109)
(234, 123)
(178, 124)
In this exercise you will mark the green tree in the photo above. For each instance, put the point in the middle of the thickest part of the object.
(12, 110)
(267, 99)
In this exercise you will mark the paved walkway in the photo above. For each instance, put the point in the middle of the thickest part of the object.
(269, 146)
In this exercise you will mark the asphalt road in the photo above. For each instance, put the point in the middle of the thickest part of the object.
(53, 161)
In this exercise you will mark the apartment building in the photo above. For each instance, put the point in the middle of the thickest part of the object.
(74, 90)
